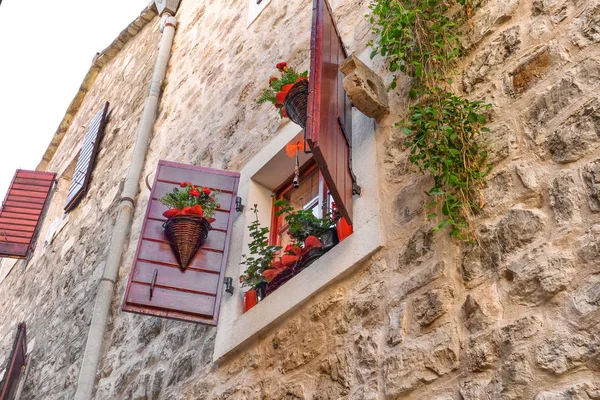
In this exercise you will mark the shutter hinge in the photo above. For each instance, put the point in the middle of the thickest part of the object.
(239, 207)
(228, 282)
(355, 187)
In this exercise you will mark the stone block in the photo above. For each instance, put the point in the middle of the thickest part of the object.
(365, 88)
(516, 376)
(487, 19)
(584, 307)
(517, 332)
(574, 391)
(432, 305)
(564, 198)
(397, 325)
(538, 276)
(493, 55)
(577, 136)
(531, 70)
(481, 308)
(585, 29)
(421, 362)
(564, 351)
(417, 248)
(483, 351)
(420, 278)
(591, 177)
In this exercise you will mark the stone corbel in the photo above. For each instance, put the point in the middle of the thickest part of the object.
(365, 88)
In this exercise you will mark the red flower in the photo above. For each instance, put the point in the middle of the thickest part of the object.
(270, 274)
(288, 259)
(272, 79)
(311, 242)
(206, 191)
(286, 88)
(301, 78)
(288, 248)
(284, 113)
(184, 184)
(194, 192)
(241, 279)
(281, 66)
(280, 97)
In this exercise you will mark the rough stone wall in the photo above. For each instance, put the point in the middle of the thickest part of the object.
(424, 318)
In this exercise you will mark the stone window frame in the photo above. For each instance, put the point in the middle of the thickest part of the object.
(236, 329)
(255, 9)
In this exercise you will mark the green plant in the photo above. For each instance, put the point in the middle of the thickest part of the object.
(444, 131)
(261, 254)
(303, 223)
(279, 87)
(190, 199)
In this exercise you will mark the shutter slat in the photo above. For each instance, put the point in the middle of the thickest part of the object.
(327, 107)
(14, 368)
(87, 158)
(22, 212)
(193, 294)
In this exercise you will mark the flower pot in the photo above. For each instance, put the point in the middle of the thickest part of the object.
(296, 103)
(329, 239)
(343, 229)
(250, 299)
(186, 233)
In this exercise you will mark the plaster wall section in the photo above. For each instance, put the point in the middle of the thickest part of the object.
(423, 318)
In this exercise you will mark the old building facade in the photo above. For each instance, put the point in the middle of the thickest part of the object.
(408, 313)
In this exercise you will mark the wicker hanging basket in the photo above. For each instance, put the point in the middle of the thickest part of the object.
(186, 233)
(296, 103)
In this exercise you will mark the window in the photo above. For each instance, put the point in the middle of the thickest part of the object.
(22, 212)
(9, 382)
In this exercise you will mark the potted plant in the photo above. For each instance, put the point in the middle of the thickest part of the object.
(303, 223)
(189, 216)
(289, 93)
(261, 257)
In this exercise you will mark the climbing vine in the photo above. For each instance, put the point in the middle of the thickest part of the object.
(421, 38)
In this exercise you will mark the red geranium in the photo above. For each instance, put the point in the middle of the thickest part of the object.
(194, 192)
(272, 79)
(281, 66)
(184, 184)
(206, 191)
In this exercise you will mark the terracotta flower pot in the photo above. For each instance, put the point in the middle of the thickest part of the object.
(186, 233)
(296, 103)
(343, 229)
(250, 299)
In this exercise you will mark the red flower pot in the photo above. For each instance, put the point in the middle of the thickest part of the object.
(250, 299)
(343, 229)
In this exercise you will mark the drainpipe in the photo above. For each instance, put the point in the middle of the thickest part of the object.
(104, 296)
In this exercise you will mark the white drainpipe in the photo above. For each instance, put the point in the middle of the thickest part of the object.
(104, 296)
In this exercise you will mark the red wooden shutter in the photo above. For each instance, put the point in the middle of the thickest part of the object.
(22, 211)
(87, 159)
(194, 294)
(14, 368)
(329, 123)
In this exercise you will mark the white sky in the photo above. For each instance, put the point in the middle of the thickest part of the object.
(46, 48)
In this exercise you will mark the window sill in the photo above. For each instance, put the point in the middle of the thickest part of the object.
(237, 329)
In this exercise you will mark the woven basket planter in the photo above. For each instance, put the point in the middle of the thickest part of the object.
(296, 103)
(186, 233)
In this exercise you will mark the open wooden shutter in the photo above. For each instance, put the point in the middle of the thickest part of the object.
(194, 294)
(14, 368)
(329, 116)
(87, 159)
(22, 211)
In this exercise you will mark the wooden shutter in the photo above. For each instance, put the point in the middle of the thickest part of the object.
(194, 294)
(87, 159)
(22, 211)
(329, 123)
(14, 368)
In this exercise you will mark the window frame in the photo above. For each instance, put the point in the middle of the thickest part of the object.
(237, 329)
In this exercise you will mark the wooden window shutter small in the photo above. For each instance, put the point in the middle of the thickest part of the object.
(14, 368)
(192, 295)
(329, 115)
(87, 158)
(22, 212)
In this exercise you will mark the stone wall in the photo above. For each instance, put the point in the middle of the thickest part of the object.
(514, 317)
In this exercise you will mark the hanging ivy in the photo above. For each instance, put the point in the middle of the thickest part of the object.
(421, 38)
